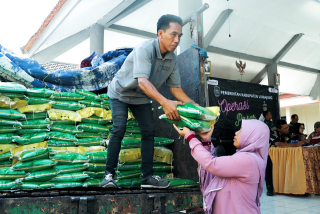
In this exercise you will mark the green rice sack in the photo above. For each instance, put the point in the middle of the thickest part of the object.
(133, 135)
(6, 138)
(13, 95)
(90, 103)
(70, 158)
(62, 122)
(8, 129)
(96, 167)
(7, 173)
(132, 123)
(88, 95)
(62, 136)
(67, 105)
(63, 169)
(7, 163)
(95, 174)
(128, 143)
(60, 143)
(46, 185)
(193, 124)
(27, 185)
(160, 167)
(93, 134)
(26, 139)
(88, 127)
(65, 128)
(36, 116)
(44, 175)
(96, 157)
(71, 177)
(127, 166)
(35, 165)
(196, 112)
(36, 124)
(95, 119)
(67, 96)
(106, 104)
(11, 114)
(161, 141)
(180, 183)
(91, 142)
(127, 174)
(39, 92)
(34, 155)
(12, 87)
(6, 122)
(104, 96)
(37, 100)
(131, 182)
(28, 131)
(67, 184)
(5, 157)
(92, 182)
(110, 126)
(7, 184)
(133, 129)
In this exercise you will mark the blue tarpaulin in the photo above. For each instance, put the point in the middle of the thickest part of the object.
(30, 73)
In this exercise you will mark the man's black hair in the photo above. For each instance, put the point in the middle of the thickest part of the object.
(280, 123)
(293, 116)
(264, 113)
(164, 21)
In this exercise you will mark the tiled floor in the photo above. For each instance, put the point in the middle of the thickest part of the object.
(292, 204)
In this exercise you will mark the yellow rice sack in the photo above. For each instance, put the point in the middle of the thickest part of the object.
(127, 155)
(6, 102)
(35, 108)
(57, 114)
(100, 112)
(4, 148)
(79, 149)
(16, 152)
(162, 154)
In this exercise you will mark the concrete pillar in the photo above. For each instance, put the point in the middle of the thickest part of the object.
(288, 114)
(97, 39)
(272, 70)
(185, 8)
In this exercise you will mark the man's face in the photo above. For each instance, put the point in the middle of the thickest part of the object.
(295, 120)
(269, 116)
(170, 38)
(318, 129)
(284, 129)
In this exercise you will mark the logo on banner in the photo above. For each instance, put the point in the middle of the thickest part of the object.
(273, 90)
(217, 91)
(213, 82)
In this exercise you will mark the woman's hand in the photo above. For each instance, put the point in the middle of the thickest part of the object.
(182, 132)
(207, 135)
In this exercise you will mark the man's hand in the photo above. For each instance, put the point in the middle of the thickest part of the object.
(299, 143)
(206, 135)
(170, 109)
(182, 132)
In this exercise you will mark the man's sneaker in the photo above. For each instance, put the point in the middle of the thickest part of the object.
(108, 182)
(154, 182)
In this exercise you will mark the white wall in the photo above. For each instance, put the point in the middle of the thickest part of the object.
(308, 114)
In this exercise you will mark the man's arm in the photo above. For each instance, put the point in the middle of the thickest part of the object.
(169, 106)
(179, 94)
(299, 143)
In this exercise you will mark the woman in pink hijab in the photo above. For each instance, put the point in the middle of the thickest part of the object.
(232, 184)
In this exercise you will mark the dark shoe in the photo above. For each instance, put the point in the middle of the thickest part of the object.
(108, 182)
(154, 182)
(270, 193)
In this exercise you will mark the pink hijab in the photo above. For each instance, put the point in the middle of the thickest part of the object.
(254, 140)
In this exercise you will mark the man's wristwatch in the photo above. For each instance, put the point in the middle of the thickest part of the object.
(191, 101)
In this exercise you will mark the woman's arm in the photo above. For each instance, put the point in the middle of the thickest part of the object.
(239, 166)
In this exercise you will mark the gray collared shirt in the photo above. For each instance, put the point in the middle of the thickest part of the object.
(144, 61)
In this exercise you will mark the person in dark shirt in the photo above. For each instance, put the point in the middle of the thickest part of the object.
(279, 137)
(268, 120)
(315, 134)
(297, 130)
(294, 120)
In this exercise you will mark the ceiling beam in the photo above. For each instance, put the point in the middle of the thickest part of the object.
(234, 54)
(287, 47)
(132, 31)
(53, 51)
(278, 57)
(216, 27)
(299, 67)
(133, 7)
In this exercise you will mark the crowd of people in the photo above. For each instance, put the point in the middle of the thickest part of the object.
(287, 135)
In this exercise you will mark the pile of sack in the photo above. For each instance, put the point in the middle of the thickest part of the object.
(52, 139)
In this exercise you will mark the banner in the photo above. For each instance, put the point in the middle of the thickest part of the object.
(238, 101)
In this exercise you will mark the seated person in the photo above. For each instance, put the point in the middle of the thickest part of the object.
(294, 120)
(315, 134)
(281, 136)
(268, 120)
(297, 130)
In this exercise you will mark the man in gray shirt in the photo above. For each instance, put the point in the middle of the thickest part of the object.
(147, 67)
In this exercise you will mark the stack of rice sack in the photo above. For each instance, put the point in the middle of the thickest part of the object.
(195, 117)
